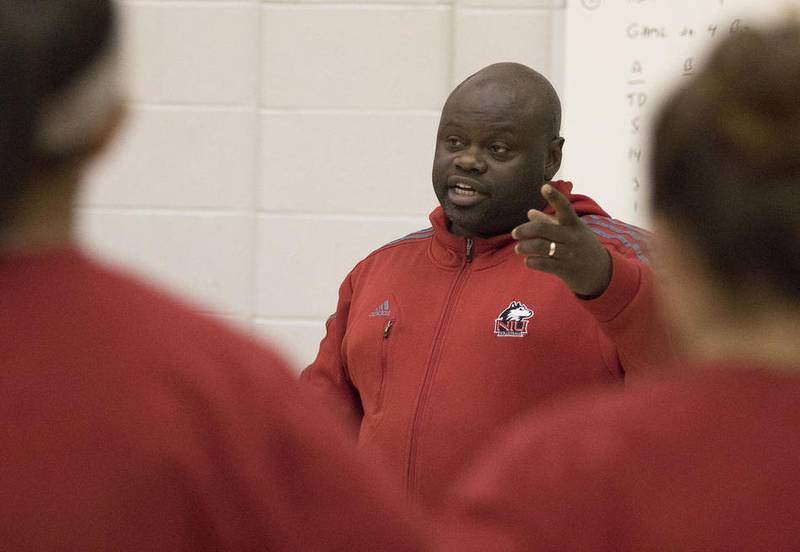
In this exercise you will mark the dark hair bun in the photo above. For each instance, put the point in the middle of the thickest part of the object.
(726, 162)
(46, 45)
(753, 85)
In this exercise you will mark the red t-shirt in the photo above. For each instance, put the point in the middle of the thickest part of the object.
(128, 422)
(704, 461)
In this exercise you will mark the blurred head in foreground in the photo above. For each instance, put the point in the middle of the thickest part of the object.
(726, 177)
(130, 421)
(60, 103)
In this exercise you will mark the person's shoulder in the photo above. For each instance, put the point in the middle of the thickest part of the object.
(542, 469)
(414, 239)
(628, 239)
(408, 244)
(615, 405)
(610, 419)
(120, 292)
(162, 324)
(580, 461)
(155, 357)
(578, 445)
(601, 418)
(584, 414)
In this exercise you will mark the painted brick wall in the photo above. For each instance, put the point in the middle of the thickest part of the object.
(271, 145)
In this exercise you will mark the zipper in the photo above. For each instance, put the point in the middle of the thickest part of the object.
(387, 329)
(430, 370)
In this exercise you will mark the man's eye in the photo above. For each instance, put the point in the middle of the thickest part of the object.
(454, 142)
(499, 149)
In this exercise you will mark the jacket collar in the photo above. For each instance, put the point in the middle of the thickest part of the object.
(450, 250)
(582, 204)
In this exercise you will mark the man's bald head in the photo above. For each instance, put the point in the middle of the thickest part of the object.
(525, 90)
(498, 142)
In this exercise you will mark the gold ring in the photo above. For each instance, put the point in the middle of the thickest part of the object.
(552, 252)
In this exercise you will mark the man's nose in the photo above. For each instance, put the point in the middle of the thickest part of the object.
(470, 161)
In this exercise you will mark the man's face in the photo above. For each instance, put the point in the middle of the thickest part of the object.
(492, 149)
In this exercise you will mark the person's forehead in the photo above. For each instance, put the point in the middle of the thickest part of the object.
(496, 108)
(489, 121)
(488, 93)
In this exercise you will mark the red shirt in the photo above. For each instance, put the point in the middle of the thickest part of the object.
(704, 461)
(438, 341)
(129, 422)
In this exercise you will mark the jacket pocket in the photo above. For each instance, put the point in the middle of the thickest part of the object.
(384, 366)
(368, 347)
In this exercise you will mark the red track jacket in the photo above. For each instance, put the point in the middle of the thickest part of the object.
(438, 340)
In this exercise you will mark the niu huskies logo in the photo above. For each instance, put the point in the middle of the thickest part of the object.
(513, 322)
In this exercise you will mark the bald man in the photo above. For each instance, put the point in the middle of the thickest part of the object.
(519, 292)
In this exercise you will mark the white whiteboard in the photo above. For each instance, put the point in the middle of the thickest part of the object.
(621, 58)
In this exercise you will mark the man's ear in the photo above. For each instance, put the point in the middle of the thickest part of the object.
(554, 153)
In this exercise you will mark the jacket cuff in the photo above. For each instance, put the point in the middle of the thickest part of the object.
(624, 284)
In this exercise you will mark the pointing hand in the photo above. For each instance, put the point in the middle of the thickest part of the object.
(563, 245)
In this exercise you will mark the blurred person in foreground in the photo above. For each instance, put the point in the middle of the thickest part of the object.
(705, 459)
(129, 422)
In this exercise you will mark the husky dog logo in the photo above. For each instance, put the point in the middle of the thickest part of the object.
(513, 321)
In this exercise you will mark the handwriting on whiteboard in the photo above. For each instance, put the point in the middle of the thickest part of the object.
(636, 94)
(622, 57)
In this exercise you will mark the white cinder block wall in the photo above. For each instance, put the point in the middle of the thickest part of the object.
(271, 145)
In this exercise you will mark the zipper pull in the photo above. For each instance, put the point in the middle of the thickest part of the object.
(387, 328)
(469, 250)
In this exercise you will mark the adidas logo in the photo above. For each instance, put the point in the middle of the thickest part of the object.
(382, 310)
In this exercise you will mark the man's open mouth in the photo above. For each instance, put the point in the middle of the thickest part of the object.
(464, 189)
(463, 193)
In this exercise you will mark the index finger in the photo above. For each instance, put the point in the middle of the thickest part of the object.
(565, 214)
